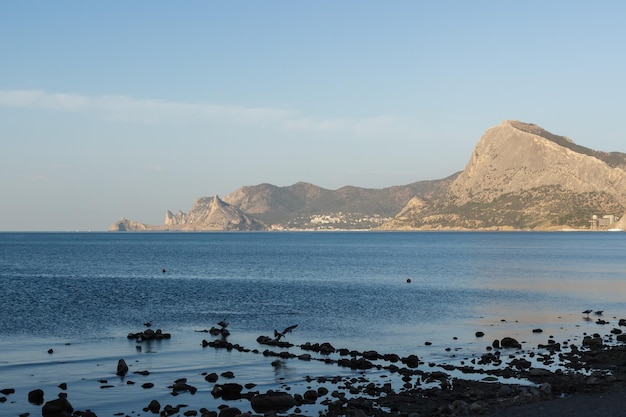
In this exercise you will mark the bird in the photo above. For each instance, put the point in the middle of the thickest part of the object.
(148, 324)
(278, 335)
(587, 312)
(599, 312)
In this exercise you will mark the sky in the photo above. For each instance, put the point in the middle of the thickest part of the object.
(129, 109)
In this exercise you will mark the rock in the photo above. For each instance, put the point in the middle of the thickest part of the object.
(509, 342)
(272, 401)
(478, 407)
(231, 391)
(154, 407)
(546, 388)
(505, 391)
(412, 361)
(59, 407)
(229, 412)
(593, 342)
(496, 344)
(228, 374)
(480, 334)
(35, 397)
(183, 386)
(310, 396)
(122, 368)
(539, 372)
(537, 331)
(212, 377)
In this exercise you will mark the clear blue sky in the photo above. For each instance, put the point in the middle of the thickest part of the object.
(129, 109)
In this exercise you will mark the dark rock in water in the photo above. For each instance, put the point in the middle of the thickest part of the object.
(181, 386)
(153, 407)
(310, 396)
(272, 401)
(212, 377)
(228, 374)
(7, 391)
(509, 342)
(480, 334)
(147, 385)
(63, 386)
(412, 361)
(60, 407)
(537, 331)
(231, 391)
(354, 363)
(35, 397)
(122, 368)
(50, 351)
(229, 412)
(593, 342)
(496, 344)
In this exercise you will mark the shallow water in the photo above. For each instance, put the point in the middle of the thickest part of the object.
(81, 294)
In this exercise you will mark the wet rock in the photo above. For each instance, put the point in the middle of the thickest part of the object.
(7, 391)
(35, 397)
(228, 374)
(59, 407)
(272, 401)
(496, 344)
(537, 331)
(229, 412)
(310, 396)
(480, 334)
(412, 361)
(593, 342)
(122, 368)
(509, 342)
(231, 391)
(354, 363)
(153, 407)
(182, 386)
(212, 377)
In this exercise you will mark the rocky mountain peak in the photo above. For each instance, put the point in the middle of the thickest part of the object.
(514, 156)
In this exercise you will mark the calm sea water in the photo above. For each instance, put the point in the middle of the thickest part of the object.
(81, 293)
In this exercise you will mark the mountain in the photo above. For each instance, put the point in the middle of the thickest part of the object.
(521, 176)
(304, 205)
(207, 213)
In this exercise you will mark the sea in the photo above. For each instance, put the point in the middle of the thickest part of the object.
(69, 300)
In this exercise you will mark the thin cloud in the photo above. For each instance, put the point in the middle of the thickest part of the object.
(142, 110)
(154, 111)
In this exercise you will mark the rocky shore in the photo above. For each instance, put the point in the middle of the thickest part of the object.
(507, 379)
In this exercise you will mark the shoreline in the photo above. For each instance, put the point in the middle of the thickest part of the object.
(376, 384)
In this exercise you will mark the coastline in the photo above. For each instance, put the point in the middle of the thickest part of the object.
(505, 381)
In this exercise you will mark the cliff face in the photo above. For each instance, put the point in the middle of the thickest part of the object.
(515, 156)
(211, 213)
(520, 176)
(206, 214)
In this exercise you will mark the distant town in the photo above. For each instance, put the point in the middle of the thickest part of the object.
(333, 221)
